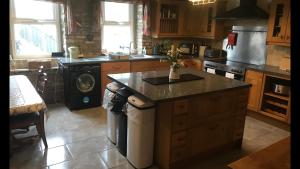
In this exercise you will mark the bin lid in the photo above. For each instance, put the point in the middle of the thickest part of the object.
(113, 86)
(124, 92)
(139, 102)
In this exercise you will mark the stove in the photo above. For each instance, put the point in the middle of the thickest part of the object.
(230, 69)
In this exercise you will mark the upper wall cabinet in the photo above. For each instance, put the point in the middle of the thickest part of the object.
(165, 19)
(200, 20)
(182, 19)
(279, 23)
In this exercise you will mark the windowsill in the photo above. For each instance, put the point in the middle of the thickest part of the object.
(30, 70)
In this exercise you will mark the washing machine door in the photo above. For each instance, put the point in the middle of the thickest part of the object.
(85, 82)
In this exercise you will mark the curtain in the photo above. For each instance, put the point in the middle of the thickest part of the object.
(146, 18)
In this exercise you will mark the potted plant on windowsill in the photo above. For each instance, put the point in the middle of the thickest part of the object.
(174, 58)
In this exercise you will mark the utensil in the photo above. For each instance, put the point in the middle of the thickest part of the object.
(281, 89)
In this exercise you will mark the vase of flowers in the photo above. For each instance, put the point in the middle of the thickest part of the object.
(174, 58)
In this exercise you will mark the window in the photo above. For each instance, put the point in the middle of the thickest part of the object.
(117, 26)
(34, 28)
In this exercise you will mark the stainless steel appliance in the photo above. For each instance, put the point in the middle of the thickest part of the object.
(249, 50)
(248, 9)
(281, 89)
(189, 49)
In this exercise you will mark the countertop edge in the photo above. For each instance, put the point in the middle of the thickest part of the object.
(288, 76)
(180, 97)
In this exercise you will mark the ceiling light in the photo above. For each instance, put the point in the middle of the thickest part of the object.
(202, 2)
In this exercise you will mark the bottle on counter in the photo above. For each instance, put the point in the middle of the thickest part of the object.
(144, 51)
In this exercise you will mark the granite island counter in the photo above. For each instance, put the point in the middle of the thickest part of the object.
(194, 118)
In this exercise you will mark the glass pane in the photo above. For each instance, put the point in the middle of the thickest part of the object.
(116, 36)
(33, 9)
(118, 12)
(32, 39)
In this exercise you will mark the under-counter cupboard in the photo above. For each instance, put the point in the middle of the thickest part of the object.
(264, 100)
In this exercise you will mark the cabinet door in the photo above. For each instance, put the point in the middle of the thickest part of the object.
(288, 30)
(141, 66)
(278, 21)
(110, 68)
(256, 80)
(208, 135)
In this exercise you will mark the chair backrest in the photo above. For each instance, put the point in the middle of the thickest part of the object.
(41, 81)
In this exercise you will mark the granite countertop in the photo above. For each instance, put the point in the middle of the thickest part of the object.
(210, 83)
(103, 59)
(273, 70)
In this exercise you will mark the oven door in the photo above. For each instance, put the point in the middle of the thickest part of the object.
(235, 76)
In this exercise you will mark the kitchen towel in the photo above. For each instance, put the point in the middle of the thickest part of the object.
(213, 71)
(229, 75)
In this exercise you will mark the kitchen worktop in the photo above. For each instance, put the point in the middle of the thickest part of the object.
(273, 70)
(103, 59)
(210, 83)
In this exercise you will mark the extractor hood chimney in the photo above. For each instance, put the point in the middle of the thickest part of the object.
(247, 10)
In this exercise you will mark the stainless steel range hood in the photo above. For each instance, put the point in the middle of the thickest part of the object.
(247, 10)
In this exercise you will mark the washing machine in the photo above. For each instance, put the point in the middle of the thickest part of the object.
(82, 86)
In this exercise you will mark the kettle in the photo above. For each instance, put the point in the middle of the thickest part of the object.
(74, 51)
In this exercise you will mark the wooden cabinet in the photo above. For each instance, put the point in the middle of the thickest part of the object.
(199, 20)
(110, 68)
(256, 80)
(198, 125)
(150, 65)
(193, 63)
(165, 18)
(272, 104)
(182, 19)
(279, 23)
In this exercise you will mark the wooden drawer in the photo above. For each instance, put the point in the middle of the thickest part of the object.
(180, 107)
(178, 154)
(150, 65)
(179, 139)
(116, 67)
(179, 123)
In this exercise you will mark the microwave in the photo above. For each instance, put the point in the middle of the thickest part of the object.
(189, 49)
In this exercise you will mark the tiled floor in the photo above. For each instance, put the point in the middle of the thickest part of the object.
(76, 140)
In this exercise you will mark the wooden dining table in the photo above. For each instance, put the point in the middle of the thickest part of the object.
(23, 98)
(275, 156)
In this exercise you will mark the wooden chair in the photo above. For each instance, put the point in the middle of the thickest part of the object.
(22, 122)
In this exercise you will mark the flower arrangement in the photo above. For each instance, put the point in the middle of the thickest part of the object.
(174, 58)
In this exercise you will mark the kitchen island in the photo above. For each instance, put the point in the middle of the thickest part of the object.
(193, 118)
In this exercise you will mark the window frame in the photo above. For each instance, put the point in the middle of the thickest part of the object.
(14, 20)
(131, 22)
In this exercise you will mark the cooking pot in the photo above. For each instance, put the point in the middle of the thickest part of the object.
(281, 89)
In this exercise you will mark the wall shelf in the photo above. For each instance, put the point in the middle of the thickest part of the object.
(272, 104)
(277, 96)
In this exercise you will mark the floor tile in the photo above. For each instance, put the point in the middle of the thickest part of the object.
(86, 161)
(56, 155)
(95, 144)
(113, 158)
(77, 140)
